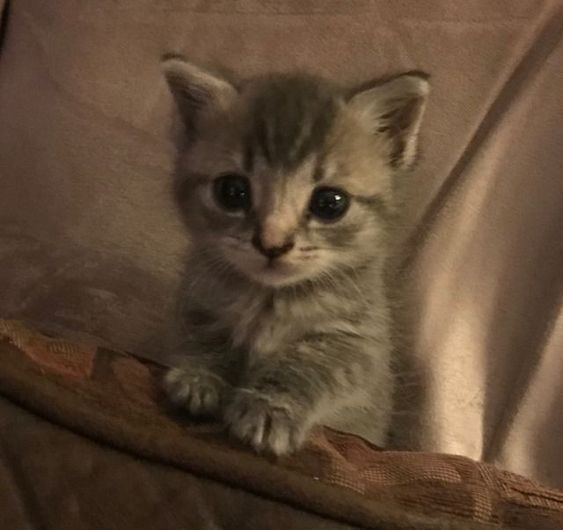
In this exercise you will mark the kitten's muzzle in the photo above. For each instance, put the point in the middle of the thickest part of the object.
(271, 252)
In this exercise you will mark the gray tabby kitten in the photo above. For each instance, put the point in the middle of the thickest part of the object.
(288, 191)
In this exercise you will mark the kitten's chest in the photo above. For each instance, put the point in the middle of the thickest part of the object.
(261, 324)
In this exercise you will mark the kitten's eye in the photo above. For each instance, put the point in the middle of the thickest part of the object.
(329, 204)
(232, 192)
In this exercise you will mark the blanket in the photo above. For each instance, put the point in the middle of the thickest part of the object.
(91, 241)
(86, 441)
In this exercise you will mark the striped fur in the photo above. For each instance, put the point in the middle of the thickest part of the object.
(275, 348)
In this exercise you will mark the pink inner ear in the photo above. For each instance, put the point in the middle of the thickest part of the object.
(402, 117)
(399, 123)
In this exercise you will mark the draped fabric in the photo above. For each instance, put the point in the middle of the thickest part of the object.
(91, 244)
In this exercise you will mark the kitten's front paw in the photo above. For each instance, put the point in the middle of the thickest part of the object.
(198, 391)
(269, 424)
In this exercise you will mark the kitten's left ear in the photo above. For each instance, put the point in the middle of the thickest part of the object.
(196, 90)
(395, 108)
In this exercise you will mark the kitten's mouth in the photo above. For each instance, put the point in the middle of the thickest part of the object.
(277, 267)
(278, 273)
(274, 264)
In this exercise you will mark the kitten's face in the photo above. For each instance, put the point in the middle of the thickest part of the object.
(286, 180)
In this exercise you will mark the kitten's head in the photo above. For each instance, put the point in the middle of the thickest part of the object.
(287, 177)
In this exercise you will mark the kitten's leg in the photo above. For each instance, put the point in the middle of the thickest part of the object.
(282, 397)
(199, 384)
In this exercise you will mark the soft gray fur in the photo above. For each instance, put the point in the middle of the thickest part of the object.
(278, 345)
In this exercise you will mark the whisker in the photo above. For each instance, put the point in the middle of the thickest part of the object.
(308, 249)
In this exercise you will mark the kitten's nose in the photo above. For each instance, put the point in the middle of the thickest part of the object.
(271, 252)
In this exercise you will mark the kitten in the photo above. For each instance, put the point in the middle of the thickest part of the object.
(288, 192)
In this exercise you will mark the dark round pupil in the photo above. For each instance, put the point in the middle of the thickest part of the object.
(329, 204)
(232, 192)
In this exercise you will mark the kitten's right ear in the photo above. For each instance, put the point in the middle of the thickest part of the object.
(196, 90)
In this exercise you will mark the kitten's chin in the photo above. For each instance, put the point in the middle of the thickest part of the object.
(277, 278)
(276, 275)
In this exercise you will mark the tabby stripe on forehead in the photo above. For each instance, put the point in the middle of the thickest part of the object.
(319, 172)
(248, 156)
(289, 120)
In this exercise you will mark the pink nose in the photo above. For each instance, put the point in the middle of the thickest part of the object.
(271, 252)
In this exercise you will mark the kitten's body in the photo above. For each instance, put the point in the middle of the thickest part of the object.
(288, 313)
(258, 324)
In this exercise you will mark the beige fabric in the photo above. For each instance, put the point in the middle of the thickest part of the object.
(89, 239)
(110, 397)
